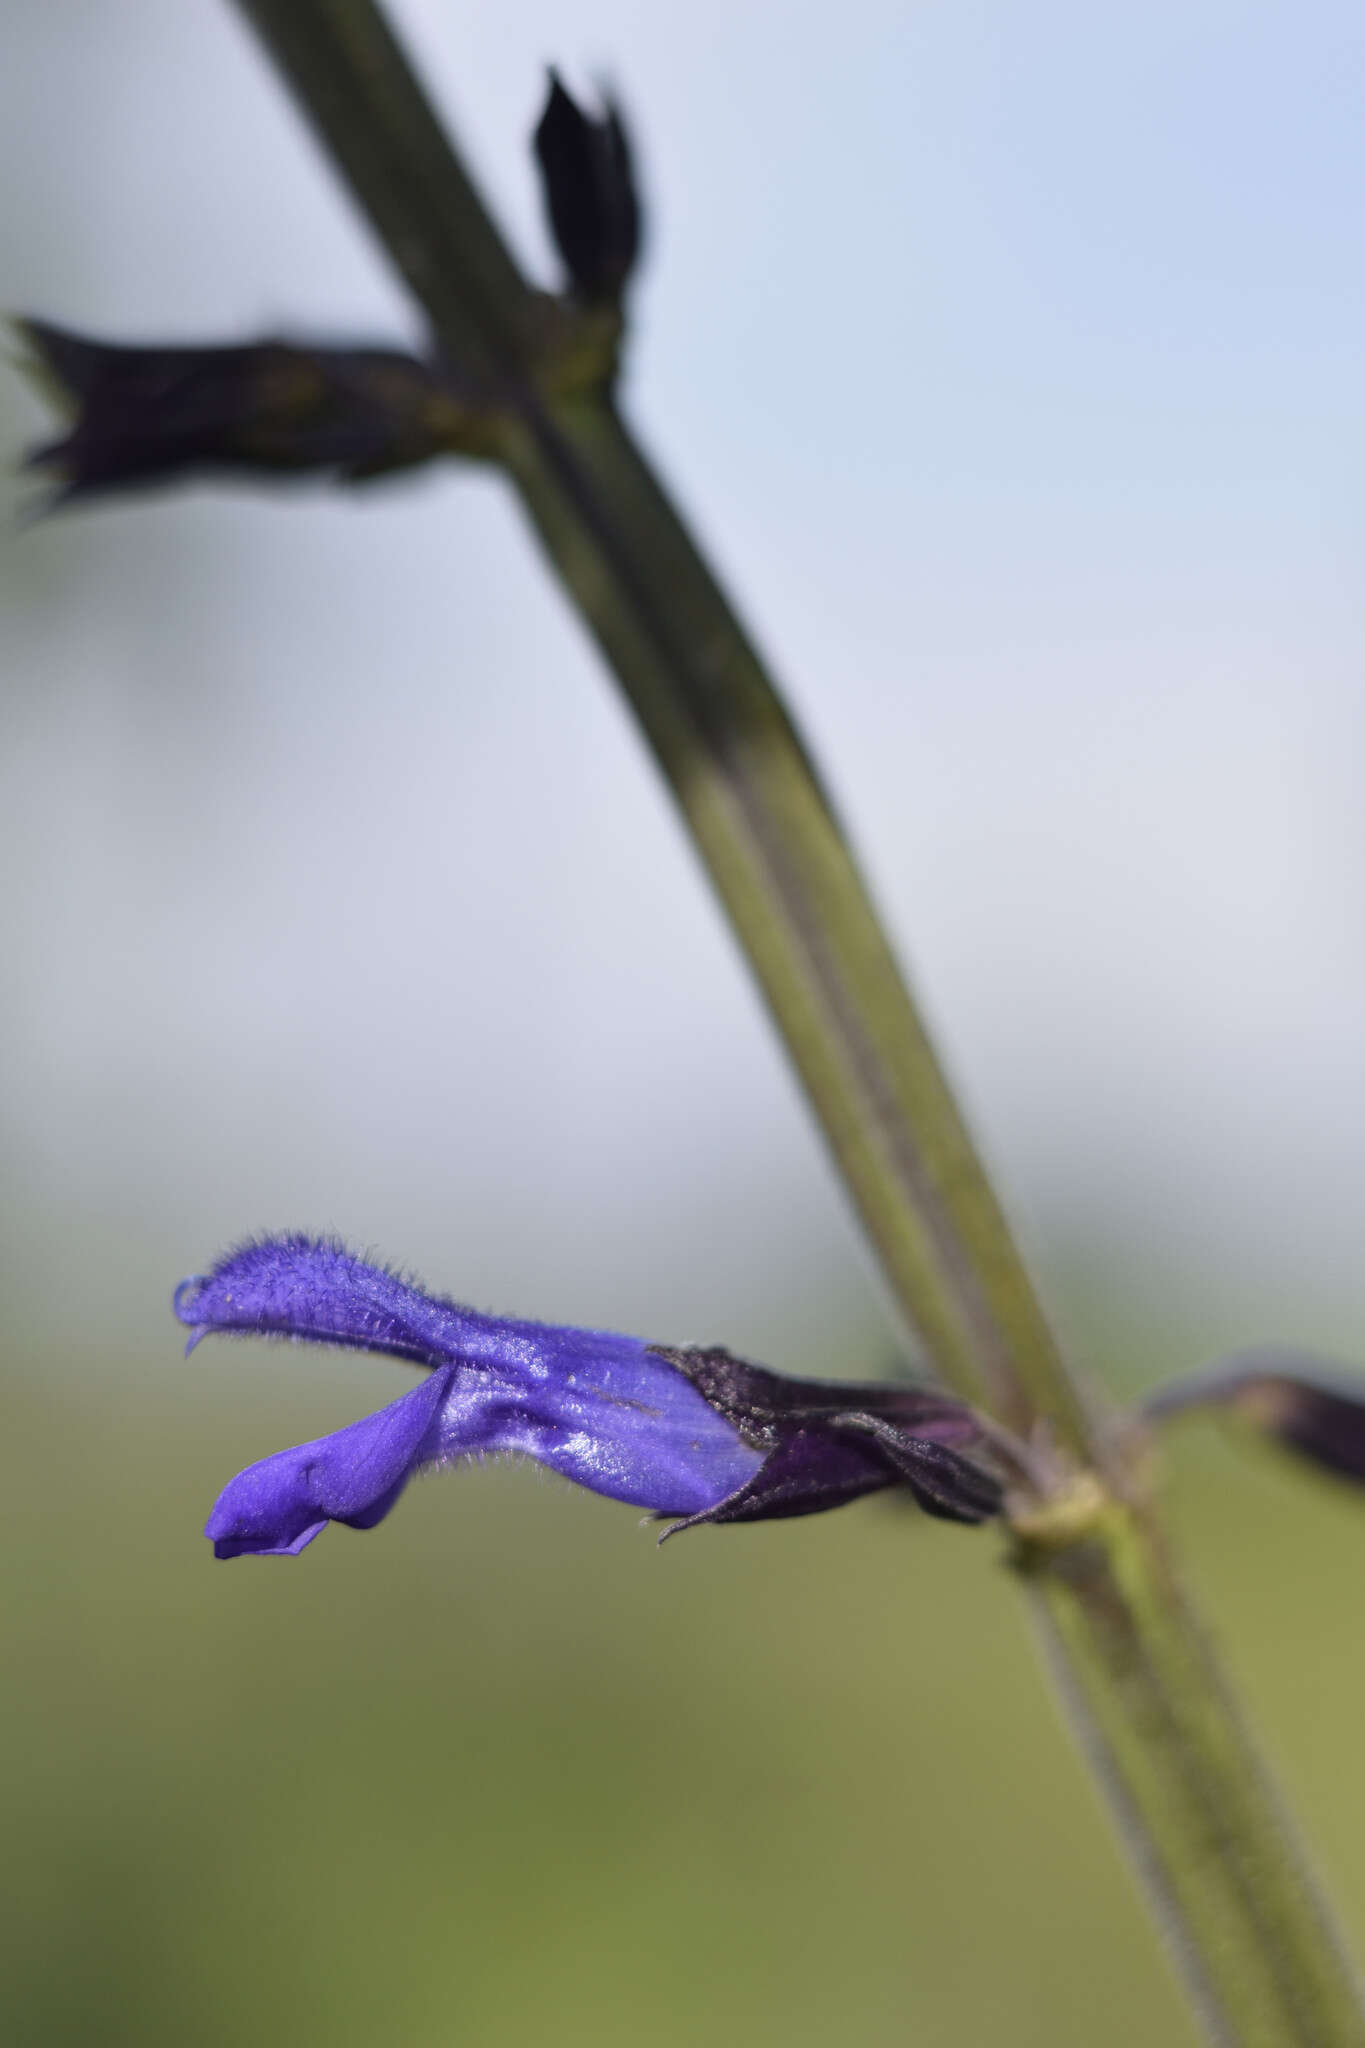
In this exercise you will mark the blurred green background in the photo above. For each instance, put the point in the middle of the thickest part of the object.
(1010, 361)
(509, 1773)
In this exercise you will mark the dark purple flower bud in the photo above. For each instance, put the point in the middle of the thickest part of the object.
(694, 1435)
(1309, 1404)
(152, 415)
(590, 194)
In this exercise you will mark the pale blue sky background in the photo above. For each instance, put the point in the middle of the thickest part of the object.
(1010, 362)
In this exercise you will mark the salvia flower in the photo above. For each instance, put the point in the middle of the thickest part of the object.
(692, 1435)
(590, 194)
(151, 415)
(1308, 1404)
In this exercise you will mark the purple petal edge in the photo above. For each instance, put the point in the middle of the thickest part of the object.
(276, 1508)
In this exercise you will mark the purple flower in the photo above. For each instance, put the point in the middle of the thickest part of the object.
(695, 1435)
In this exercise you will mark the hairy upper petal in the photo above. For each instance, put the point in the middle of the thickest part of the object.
(315, 1290)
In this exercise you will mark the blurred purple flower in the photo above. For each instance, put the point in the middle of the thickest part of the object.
(154, 415)
(691, 1434)
(1308, 1404)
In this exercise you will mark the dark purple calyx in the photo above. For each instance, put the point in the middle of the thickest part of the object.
(829, 1441)
(152, 415)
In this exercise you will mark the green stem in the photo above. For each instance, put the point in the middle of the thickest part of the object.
(1190, 1794)
(798, 905)
(1254, 1939)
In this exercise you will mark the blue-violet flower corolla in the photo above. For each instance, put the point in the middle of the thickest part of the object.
(693, 1435)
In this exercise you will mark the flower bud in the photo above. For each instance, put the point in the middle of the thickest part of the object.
(590, 194)
(1307, 1404)
(144, 416)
